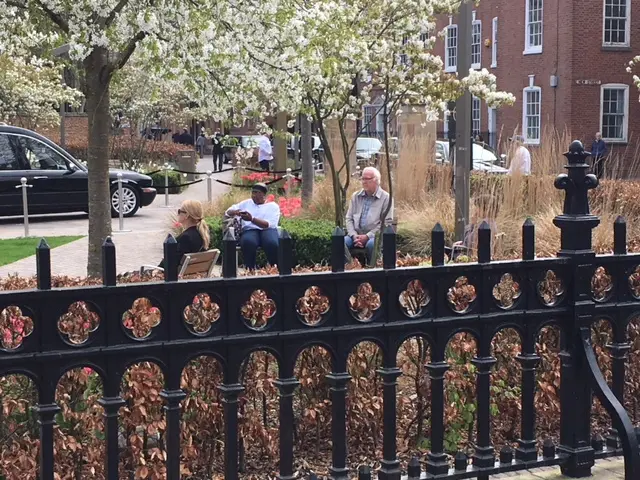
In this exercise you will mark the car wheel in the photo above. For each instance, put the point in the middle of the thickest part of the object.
(131, 201)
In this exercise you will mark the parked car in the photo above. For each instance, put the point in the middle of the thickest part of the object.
(484, 160)
(59, 182)
(367, 148)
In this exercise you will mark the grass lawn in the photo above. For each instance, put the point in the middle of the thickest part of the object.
(13, 249)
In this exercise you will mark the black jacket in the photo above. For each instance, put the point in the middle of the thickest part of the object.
(189, 241)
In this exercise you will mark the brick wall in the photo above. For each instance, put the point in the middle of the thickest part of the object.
(572, 50)
(76, 130)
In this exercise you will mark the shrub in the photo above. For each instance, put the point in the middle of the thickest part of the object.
(132, 151)
(311, 239)
(174, 178)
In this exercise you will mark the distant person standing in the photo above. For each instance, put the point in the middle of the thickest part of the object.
(265, 151)
(521, 159)
(599, 155)
(200, 143)
(185, 137)
(218, 152)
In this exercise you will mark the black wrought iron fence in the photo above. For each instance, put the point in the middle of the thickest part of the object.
(385, 306)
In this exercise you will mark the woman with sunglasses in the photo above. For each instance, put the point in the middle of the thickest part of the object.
(196, 235)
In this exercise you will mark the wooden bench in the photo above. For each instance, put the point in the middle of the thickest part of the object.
(192, 263)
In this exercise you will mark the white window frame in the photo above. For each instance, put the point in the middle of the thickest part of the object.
(525, 122)
(476, 24)
(625, 121)
(528, 48)
(494, 42)
(476, 106)
(491, 124)
(451, 67)
(627, 29)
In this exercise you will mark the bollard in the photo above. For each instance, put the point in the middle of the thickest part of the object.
(289, 181)
(357, 173)
(166, 184)
(209, 189)
(25, 204)
(120, 206)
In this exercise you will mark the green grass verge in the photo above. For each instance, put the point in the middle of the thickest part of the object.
(14, 249)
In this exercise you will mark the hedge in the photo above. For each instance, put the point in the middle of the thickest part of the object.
(174, 179)
(311, 240)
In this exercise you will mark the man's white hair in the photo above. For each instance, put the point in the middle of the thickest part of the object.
(375, 171)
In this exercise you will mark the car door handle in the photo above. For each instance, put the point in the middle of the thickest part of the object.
(39, 178)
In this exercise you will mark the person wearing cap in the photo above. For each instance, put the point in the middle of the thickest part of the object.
(259, 222)
(521, 161)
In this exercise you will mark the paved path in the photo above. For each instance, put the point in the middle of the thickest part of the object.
(604, 469)
(141, 246)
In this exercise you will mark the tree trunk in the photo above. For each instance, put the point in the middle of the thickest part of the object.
(98, 78)
(337, 187)
(308, 175)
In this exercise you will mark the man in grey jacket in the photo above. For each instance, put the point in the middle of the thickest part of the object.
(364, 217)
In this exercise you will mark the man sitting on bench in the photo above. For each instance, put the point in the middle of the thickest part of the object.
(364, 217)
(259, 226)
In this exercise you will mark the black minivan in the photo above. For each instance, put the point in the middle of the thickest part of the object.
(58, 181)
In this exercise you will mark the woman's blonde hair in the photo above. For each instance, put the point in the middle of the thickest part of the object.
(194, 209)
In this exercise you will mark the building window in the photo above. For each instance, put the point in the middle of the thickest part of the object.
(531, 97)
(533, 21)
(616, 23)
(614, 112)
(452, 49)
(476, 39)
(494, 43)
(475, 117)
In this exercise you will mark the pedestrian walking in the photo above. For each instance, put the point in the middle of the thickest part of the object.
(521, 159)
(200, 143)
(265, 151)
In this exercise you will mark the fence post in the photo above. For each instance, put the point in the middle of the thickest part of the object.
(229, 245)
(171, 259)
(285, 253)
(576, 225)
(25, 204)
(43, 265)
(337, 250)
(437, 245)
(389, 248)
(209, 188)
(108, 263)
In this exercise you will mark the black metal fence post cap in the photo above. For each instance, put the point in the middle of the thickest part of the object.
(43, 245)
(284, 235)
(576, 152)
(170, 239)
(229, 236)
(437, 228)
(107, 242)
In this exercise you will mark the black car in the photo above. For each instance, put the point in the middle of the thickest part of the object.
(59, 181)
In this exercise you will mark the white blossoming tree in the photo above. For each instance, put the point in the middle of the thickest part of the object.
(348, 51)
(30, 87)
(171, 36)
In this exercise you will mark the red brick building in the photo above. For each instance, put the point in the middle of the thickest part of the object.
(564, 60)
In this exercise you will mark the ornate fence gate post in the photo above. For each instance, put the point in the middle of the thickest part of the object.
(579, 370)
(576, 225)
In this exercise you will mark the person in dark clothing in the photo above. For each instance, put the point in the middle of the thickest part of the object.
(218, 152)
(599, 155)
(186, 138)
(196, 235)
(176, 137)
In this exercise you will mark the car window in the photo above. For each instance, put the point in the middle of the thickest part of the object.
(440, 150)
(41, 156)
(10, 153)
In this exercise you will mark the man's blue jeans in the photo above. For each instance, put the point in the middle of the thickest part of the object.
(348, 241)
(250, 240)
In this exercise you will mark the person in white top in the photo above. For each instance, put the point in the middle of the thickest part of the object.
(521, 161)
(265, 151)
(259, 226)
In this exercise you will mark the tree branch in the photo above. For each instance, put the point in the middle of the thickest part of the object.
(128, 51)
(114, 13)
(55, 18)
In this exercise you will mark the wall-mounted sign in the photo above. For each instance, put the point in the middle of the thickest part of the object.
(588, 82)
